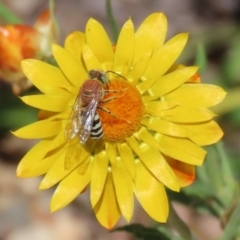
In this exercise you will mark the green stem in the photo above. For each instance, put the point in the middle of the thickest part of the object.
(8, 16)
(176, 222)
(232, 227)
(55, 27)
(112, 22)
(201, 59)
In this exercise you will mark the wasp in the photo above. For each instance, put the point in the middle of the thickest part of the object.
(84, 119)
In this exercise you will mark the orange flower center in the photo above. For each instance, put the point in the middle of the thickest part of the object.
(121, 110)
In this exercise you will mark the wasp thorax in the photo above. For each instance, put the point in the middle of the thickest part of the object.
(91, 90)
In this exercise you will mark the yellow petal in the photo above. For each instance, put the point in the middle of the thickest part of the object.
(72, 69)
(43, 114)
(70, 187)
(40, 129)
(151, 194)
(55, 173)
(132, 142)
(73, 44)
(187, 114)
(99, 174)
(124, 48)
(145, 85)
(33, 156)
(205, 133)
(181, 149)
(194, 79)
(202, 95)
(54, 103)
(150, 35)
(58, 170)
(146, 99)
(145, 136)
(154, 108)
(42, 167)
(97, 39)
(139, 68)
(58, 140)
(171, 81)
(52, 116)
(125, 70)
(53, 81)
(123, 188)
(108, 66)
(90, 59)
(166, 56)
(127, 158)
(111, 152)
(184, 172)
(158, 166)
(107, 210)
(166, 127)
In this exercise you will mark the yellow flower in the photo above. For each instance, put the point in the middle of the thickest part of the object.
(154, 118)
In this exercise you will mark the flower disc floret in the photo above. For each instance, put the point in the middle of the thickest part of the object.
(121, 110)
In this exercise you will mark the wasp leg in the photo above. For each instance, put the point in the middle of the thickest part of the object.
(112, 90)
(108, 100)
(115, 91)
(112, 114)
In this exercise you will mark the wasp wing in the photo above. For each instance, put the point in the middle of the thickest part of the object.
(79, 123)
(81, 119)
(87, 117)
(73, 124)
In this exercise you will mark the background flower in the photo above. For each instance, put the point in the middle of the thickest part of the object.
(20, 41)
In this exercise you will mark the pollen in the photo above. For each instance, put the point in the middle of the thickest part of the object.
(121, 110)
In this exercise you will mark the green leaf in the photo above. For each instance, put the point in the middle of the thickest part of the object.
(224, 170)
(215, 179)
(112, 22)
(169, 233)
(227, 173)
(143, 233)
(14, 113)
(230, 70)
(234, 118)
(8, 16)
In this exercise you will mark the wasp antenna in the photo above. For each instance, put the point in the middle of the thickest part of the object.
(116, 74)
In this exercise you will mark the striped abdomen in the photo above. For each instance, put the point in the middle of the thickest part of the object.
(97, 131)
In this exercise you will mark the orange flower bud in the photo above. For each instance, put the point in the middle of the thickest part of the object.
(18, 42)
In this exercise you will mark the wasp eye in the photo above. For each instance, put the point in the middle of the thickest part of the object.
(91, 73)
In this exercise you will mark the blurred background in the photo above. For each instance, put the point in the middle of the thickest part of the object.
(24, 210)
